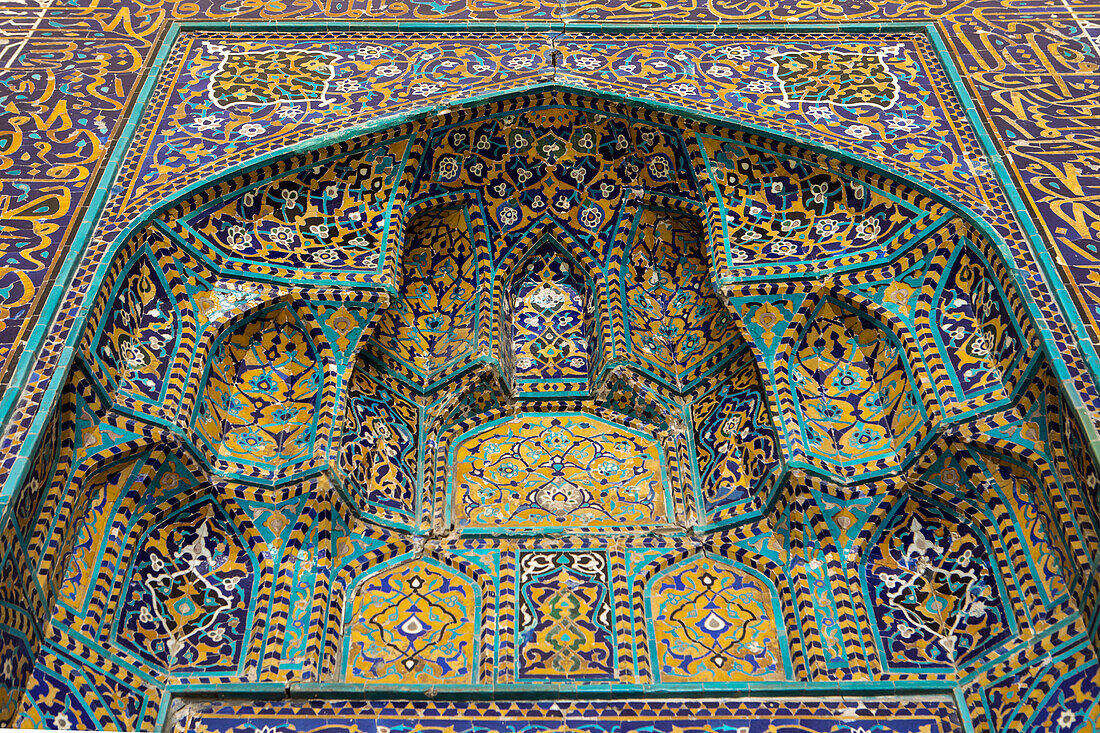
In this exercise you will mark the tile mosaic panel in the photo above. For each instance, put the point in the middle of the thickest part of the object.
(706, 716)
(261, 395)
(713, 622)
(655, 518)
(416, 623)
(934, 586)
(331, 216)
(566, 620)
(556, 471)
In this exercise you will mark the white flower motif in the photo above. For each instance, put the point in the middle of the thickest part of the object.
(546, 298)
(591, 217)
(370, 52)
(868, 229)
(348, 85)
(325, 256)
(388, 70)
(237, 237)
(508, 216)
(448, 168)
(208, 122)
(424, 89)
(587, 63)
(860, 131)
(683, 89)
(820, 113)
(759, 87)
(718, 71)
(737, 52)
(283, 235)
(784, 249)
(659, 167)
(902, 124)
(826, 227)
(62, 721)
(291, 111)
(1066, 719)
(521, 62)
(250, 130)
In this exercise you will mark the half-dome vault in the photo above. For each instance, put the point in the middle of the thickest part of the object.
(551, 396)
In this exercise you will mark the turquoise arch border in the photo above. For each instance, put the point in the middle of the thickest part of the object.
(110, 171)
(1047, 267)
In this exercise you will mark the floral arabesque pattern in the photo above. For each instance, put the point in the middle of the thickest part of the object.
(559, 471)
(550, 304)
(852, 388)
(712, 621)
(434, 322)
(675, 319)
(189, 591)
(414, 623)
(566, 621)
(138, 340)
(565, 164)
(736, 441)
(260, 399)
(328, 217)
(935, 596)
(379, 444)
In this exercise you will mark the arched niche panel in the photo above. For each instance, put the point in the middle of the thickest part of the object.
(563, 162)
(95, 513)
(548, 314)
(933, 589)
(966, 313)
(417, 622)
(432, 327)
(712, 621)
(332, 215)
(737, 447)
(677, 325)
(262, 393)
(379, 443)
(142, 319)
(189, 591)
(778, 213)
(555, 471)
(855, 398)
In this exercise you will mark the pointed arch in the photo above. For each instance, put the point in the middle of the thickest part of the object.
(676, 326)
(852, 386)
(710, 619)
(553, 321)
(141, 321)
(379, 441)
(434, 325)
(933, 582)
(192, 571)
(974, 326)
(265, 402)
(414, 620)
